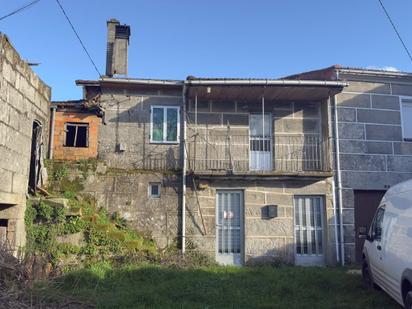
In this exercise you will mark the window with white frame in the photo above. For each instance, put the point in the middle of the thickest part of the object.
(154, 189)
(164, 124)
(406, 107)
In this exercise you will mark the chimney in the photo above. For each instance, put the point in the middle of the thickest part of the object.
(117, 44)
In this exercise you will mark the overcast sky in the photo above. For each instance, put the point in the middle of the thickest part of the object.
(214, 38)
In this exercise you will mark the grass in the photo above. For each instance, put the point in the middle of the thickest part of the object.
(149, 286)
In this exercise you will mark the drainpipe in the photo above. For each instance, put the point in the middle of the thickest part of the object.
(339, 180)
(184, 158)
(335, 201)
(51, 138)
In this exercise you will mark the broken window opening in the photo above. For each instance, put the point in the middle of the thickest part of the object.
(77, 134)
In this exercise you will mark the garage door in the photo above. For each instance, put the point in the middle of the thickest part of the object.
(366, 203)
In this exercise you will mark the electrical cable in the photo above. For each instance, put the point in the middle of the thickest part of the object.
(19, 9)
(396, 30)
(78, 37)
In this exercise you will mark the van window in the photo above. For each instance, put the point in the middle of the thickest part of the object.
(377, 224)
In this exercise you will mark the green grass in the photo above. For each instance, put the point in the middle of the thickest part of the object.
(219, 287)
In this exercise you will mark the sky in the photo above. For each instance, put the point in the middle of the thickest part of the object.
(171, 39)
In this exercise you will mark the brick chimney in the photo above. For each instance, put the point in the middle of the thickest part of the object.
(117, 45)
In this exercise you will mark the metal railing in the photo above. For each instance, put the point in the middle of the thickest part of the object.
(242, 153)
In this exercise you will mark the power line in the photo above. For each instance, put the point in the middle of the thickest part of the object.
(78, 37)
(19, 9)
(396, 30)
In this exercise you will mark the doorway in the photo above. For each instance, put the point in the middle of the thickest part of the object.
(260, 128)
(309, 217)
(35, 156)
(229, 227)
(366, 204)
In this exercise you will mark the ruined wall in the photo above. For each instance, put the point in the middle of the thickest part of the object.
(126, 192)
(373, 154)
(124, 137)
(266, 240)
(24, 98)
(75, 153)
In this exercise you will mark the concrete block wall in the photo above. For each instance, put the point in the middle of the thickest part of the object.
(75, 153)
(288, 117)
(373, 154)
(24, 98)
(127, 122)
(291, 121)
(266, 240)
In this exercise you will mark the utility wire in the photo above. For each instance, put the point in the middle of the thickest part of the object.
(19, 9)
(78, 37)
(396, 30)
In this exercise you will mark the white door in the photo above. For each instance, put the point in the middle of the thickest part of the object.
(260, 127)
(309, 230)
(229, 228)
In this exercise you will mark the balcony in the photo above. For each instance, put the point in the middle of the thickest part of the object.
(240, 154)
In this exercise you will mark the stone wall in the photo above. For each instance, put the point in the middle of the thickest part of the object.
(124, 136)
(127, 193)
(288, 117)
(75, 153)
(373, 154)
(297, 128)
(266, 240)
(24, 98)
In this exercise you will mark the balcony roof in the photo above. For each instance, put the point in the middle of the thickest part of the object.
(254, 89)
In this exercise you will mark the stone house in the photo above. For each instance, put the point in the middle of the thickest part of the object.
(258, 159)
(24, 126)
(250, 170)
(237, 168)
(374, 134)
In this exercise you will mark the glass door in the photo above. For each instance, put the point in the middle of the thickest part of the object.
(260, 127)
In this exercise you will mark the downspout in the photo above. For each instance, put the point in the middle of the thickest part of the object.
(184, 159)
(339, 180)
(335, 201)
(51, 138)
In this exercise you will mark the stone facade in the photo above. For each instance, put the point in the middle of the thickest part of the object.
(124, 137)
(213, 123)
(265, 240)
(373, 153)
(126, 193)
(130, 162)
(24, 100)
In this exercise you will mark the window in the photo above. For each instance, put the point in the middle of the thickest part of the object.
(154, 190)
(376, 228)
(164, 124)
(77, 134)
(406, 109)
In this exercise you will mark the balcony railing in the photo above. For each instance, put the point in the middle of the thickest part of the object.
(240, 153)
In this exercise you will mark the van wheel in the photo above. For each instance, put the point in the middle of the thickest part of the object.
(367, 277)
(408, 300)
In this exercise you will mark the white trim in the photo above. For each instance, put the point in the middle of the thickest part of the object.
(401, 98)
(165, 108)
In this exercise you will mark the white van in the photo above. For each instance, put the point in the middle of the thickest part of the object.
(387, 252)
